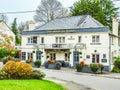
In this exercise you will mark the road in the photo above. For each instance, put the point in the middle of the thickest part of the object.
(98, 83)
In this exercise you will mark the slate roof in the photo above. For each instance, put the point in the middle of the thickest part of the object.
(83, 23)
(73, 22)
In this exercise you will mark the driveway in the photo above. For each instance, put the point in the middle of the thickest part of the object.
(96, 82)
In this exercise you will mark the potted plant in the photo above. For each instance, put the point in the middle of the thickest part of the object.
(58, 65)
(94, 67)
(33, 51)
(37, 63)
(79, 67)
(101, 67)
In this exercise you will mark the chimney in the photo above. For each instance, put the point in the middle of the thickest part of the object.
(115, 26)
(30, 25)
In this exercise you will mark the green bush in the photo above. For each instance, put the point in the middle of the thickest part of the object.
(37, 63)
(27, 61)
(3, 75)
(37, 75)
(4, 60)
(94, 67)
(117, 62)
(79, 67)
(116, 70)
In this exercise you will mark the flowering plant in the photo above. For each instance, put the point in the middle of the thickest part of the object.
(51, 61)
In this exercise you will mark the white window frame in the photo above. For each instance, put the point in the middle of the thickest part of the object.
(95, 39)
(60, 40)
(30, 40)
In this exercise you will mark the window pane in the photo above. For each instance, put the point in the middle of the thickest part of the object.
(35, 39)
(97, 57)
(97, 38)
(23, 55)
(42, 39)
(79, 39)
(93, 38)
(28, 40)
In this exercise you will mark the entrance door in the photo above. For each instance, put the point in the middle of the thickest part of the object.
(95, 58)
(75, 58)
(52, 56)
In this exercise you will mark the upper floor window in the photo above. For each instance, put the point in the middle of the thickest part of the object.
(30, 40)
(95, 39)
(35, 39)
(42, 40)
(79, 39)
(60, 39)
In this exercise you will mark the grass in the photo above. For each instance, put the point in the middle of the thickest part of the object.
(29, 85)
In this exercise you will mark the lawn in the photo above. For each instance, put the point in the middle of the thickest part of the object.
(29, 85)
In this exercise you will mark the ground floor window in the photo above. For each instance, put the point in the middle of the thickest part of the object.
(38, 55)
(66, 57)
(23, 55)
(95, 58)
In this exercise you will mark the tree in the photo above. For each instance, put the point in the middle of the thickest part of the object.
(15, 31)
(21, 27)
(48, 10)
(102, 10)
(4, 18)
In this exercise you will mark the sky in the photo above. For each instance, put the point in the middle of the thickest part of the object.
(24, 5)
(28, 5)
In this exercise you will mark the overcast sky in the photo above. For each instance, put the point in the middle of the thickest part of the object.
(27, 5)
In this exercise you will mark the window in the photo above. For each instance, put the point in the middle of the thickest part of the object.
(104, 55)
(52, 56)
(95, 39)
(38, 55)
(95, 58)
(42, 39)
(35, 39)
(30, 55)
(60, 40)
(79, 39)
(23, 55)
(30, 40)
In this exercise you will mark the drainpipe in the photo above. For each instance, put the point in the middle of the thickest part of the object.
(110, 59)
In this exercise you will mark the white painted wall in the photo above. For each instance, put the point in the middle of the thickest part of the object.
(6, 30)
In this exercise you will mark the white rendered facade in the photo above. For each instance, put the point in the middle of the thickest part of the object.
(93, 45)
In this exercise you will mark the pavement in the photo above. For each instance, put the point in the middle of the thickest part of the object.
(70, 85)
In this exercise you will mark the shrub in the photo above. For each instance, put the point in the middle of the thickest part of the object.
(3, 75)
(79, 66)
(37, 63)
(17, 69)
(116, 70)
(94, 67)
(9, 57)
(37, 75)
(4, 60)
(117, 62)
(27, 61)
